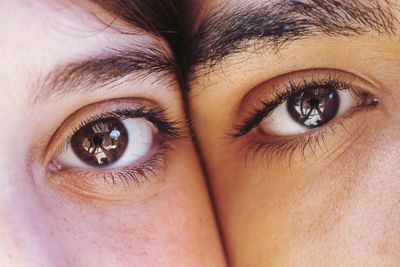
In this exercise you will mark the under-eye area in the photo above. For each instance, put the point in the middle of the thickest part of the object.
(115, 143)
(303, 112)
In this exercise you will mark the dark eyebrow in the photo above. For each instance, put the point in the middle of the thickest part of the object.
(227, 31)
(110, 67)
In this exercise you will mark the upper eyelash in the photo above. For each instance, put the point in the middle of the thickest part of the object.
(290, 88)
(168, 127)
(157, 117)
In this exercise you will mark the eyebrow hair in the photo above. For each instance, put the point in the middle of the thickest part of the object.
(89, 74)
(229, 30)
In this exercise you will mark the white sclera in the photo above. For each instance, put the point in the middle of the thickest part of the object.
(280, 123)
(140, 141)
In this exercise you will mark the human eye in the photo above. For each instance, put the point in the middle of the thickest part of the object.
(300, 109)
(113, 143)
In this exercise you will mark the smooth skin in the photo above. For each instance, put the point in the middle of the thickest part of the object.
(335, 203)
(165, 222)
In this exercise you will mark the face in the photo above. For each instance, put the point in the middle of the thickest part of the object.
(96, 166)
(296, 108)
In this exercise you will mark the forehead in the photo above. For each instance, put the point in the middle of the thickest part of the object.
(55, 26)
(37, 36)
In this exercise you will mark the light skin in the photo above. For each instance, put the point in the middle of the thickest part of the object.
(326, 196)
(55, 215)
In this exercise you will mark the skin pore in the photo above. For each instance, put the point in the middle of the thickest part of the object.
(64, 65)
(322, 196)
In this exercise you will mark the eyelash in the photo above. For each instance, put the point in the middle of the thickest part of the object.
(280, 96)
(169, 130)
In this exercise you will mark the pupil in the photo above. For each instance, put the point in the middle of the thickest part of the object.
(97, 140)
(314, 108)
(100, 143)
(314, 102)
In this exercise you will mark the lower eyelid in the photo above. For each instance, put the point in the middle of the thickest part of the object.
(110, 183)
(293, 150)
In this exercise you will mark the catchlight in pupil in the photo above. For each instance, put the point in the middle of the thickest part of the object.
(100, 143)
(314, 108)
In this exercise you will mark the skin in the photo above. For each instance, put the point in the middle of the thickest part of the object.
(333, 204)
(45, 221)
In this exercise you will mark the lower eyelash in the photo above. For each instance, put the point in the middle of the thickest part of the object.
(127, 176)
(137, 175)
(283, 150)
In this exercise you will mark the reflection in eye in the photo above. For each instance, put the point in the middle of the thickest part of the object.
(123, 144)
(308, 109)
(101, 143)
(313, 108)
(109, 142)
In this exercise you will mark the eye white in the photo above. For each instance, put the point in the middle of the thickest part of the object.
(280, 123)
(140, 143)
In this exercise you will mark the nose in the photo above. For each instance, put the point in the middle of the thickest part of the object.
(24, 236)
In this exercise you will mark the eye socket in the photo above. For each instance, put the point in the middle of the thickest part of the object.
(111, 142)
(308, 109)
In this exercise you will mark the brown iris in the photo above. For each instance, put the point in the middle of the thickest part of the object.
(100, 143)
(313, 108)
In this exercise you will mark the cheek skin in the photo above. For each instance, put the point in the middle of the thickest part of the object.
(350, 208)
(168, 228)
(341, 211)
(41, 225)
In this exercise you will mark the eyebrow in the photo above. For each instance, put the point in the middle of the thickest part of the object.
(97, 71)
(229, 30)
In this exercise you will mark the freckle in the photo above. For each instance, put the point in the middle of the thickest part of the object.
(10, 256)
(65, 220)
(51, 233)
